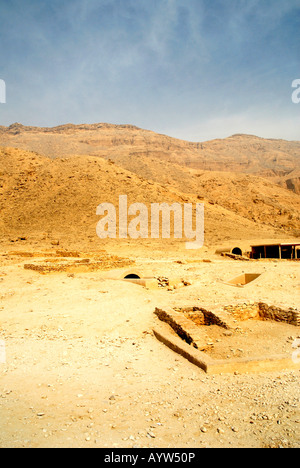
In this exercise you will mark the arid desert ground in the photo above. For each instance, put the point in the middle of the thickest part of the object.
(82, 367)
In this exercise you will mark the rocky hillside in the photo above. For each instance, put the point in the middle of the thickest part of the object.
(60, 196)
(52, 179)
(291, 181)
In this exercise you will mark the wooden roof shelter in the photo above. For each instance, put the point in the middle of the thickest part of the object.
(281, 250)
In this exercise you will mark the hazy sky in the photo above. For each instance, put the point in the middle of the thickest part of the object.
(193, 69)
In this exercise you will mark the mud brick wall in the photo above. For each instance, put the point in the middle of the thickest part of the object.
(190, 323)
(185, 328)
(291, 316)
(192, 313)
(263, 311)
(202, 316)
(243, 311)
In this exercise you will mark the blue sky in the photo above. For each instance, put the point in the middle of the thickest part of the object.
(192, 69)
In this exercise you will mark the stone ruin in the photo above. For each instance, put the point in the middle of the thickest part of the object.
(187, 334)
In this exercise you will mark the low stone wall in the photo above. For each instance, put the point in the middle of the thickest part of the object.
(202, 316)
(106, 262)
(185, 328)
(291, 316)
(189, 324)
(215, 366)
(262, 311)
(244, 311)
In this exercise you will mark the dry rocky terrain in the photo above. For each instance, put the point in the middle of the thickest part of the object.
(82, 367)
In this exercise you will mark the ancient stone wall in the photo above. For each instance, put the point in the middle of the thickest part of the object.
(262, 311)
(291, 316)
(243, 311)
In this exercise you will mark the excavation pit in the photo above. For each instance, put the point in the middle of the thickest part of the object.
(148, 280)
(156, 282)
(258, 339)
(149, 283)
(243, 280)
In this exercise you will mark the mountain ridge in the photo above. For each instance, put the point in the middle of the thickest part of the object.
(238, 153)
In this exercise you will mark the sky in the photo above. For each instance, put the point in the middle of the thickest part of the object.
(192, 69)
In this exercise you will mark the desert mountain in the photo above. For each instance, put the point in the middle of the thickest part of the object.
(60, 196)
(239, 153)
(44, 187)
